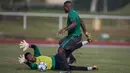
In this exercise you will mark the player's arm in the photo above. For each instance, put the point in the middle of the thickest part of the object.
(36, 50)
(22, 60)
(71, 26)
(31, 65)
(72, 18)
(83, 26)
(24, 45)
(85, 31)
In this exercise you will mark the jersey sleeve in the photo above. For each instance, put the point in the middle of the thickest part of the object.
(36, 50)
(32, 65)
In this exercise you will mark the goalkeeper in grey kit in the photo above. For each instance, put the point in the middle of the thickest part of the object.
(56, 62)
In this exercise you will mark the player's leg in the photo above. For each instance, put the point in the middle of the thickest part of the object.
(61, 63)
(63, 45)
(69, 42)
(60, 49)
(63, 39)
(71, 59)
(83, 68)
(69, 45)
(78, 45)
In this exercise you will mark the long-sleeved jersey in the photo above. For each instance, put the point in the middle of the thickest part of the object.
(50, 61)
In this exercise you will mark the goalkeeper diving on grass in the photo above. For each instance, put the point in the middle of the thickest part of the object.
(56, 62)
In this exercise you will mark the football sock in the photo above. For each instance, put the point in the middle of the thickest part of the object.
(84, 43)
(78, 68)
(89, 68)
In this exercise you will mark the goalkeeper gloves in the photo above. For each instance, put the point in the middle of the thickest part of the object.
(21, 59)
(24, 45)
(89, 37)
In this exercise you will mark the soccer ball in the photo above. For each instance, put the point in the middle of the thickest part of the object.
(42, 66)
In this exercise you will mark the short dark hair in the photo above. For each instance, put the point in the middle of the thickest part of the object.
(27, 53)
(67, 2)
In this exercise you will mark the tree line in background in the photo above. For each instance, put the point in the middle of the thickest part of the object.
(86, 5)
(100, 5)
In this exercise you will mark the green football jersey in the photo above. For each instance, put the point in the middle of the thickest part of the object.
(73, 16)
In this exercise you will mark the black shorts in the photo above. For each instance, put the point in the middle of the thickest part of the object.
(61, 62)
(68, 42)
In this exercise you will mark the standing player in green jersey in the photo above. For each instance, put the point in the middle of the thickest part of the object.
(56, 62)
(74, 25)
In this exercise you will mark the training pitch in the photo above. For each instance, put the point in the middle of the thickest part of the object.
(109, 60)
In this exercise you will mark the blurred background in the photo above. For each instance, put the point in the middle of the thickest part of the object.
(106, 20)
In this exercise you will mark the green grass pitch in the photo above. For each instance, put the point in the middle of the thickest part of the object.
(109, 60)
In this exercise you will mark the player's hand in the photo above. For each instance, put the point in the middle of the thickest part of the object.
(21, 59)
(89, 37)
(24, 45)
(61, 31)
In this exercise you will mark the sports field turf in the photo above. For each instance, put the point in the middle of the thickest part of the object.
(109, 60)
